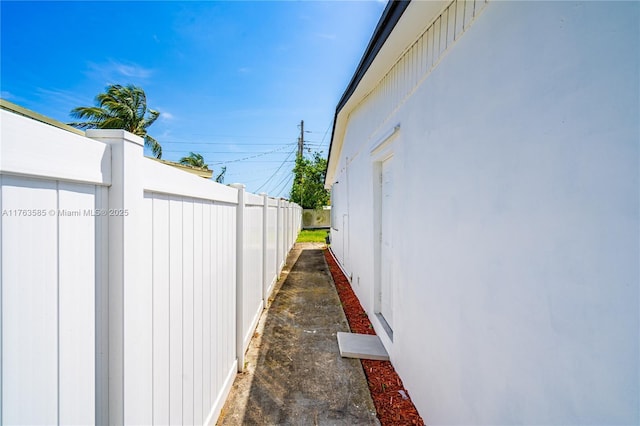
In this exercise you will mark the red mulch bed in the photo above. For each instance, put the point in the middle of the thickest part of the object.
(391, 399)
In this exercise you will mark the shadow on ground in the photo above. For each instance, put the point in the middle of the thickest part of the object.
(294, 373)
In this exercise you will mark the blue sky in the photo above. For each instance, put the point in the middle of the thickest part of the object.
(231, 79)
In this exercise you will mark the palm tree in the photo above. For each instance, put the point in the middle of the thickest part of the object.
(120, 107)
(194, 160)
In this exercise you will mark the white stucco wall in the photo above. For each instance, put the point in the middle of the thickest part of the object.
(517, 231)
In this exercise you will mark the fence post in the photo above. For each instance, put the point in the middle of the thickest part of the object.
(288, 227)
(283, 242)
(129, 294)
(240, 275)
(265, 224)
(278, 237)
(285, 228)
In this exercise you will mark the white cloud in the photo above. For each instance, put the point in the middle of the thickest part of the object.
(113, 72)
(133, 71)
(6, 95)
(166, 115)
(63, 97)
(244, 70)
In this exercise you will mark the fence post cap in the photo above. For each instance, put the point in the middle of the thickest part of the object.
(238, 185)
(111, 135)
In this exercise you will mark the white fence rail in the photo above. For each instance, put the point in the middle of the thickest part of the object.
(129, 289)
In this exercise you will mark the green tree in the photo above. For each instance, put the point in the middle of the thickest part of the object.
(308, 182)
(120, 107)
(194, 160)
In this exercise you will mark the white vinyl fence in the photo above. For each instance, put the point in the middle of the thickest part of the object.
(129, 289)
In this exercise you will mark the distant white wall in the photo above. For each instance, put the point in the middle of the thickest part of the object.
(316, 218)
(516, 191)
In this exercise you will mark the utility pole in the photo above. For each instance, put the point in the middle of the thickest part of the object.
(301, 139)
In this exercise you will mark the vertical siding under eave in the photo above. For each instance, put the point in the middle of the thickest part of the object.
(416, 63)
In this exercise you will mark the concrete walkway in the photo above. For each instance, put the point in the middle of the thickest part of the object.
(294, 373)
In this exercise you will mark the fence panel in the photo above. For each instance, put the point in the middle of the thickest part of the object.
(252, 265)
(271, 258)
(201, 228)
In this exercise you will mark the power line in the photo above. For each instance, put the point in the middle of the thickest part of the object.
(279, 191)
(251, 156)
(252, 161)
(256, 172)
(164, 151)
(277, 185)
(208, 135)
(223, 143)
(277, 170)
(326, 131)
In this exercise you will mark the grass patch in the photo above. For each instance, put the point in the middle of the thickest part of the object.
(312, 236)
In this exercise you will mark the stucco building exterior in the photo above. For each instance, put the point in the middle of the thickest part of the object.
(485, 184)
